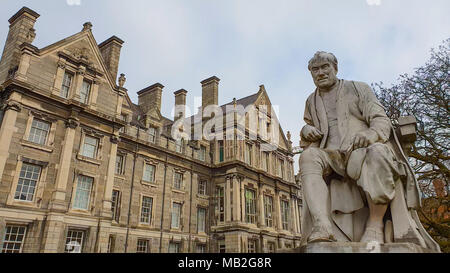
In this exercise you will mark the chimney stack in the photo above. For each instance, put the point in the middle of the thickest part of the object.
(21, 30)
(150, 98)
(210, 91)
(110, 50)
(180, 104)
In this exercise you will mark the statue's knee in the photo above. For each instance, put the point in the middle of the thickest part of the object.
(309, 155)
(377, 151)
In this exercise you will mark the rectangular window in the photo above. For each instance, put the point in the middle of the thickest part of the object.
(28, 179)
(201, 248)
(119, 164)
(174, 247)
(202, 187)
(13, 240)
(176, 212)
(268, 210)
(65, 88)
(179, 146)
(142, 246)
(202, 153)
(251, 246)
(115, 205)
(250, 206)
(271, 247)
(285, 214)
(281, 169)
(84, 92)
(83, 192)
(123, 117)
(220, 150)
(201, 219)
(248, 153)
(265, 161)
(74, 241)
(220, 204)
(146, 209)
(149, 173)
(90, 147)
(178, 180)
(152, 135)
(111, 243)
(39, 131)
(221, 246)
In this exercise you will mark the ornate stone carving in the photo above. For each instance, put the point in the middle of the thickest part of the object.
(114, 139)
(13, 105)
(72, 123)
(122, 80)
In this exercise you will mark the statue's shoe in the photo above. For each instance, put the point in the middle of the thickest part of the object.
(321, 234)
(373, 234)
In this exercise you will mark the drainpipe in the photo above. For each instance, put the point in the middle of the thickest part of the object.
(190, 213)
(163, 198)
(131, 190)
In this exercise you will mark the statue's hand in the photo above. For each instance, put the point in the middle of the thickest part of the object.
(364, 139)
(311, 133)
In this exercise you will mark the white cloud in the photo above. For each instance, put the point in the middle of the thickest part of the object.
(73, 2)
(373, 2)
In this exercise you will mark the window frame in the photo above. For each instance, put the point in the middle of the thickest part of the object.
(268, 221)
(179, 183)
(153, 174)
(284, 214)
(203, 223)
(120, 171)
(178, 219)
(250, 216)
(115, 209)
(147, 245)
(149, 212)
(76, 190)
(202, 187)
(35, 188)
(72, 77)
(47, 133)
(5, 242)
(88, 93)
(83, 237)
(96, 151)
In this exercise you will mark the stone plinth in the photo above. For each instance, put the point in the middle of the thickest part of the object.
(356, 247)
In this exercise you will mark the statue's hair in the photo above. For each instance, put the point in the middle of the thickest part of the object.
(323, 56)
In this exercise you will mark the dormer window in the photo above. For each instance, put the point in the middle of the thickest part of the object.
(152, 134)
(84, 92)
(67, 81)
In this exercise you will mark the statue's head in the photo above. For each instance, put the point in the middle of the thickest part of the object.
(323, 68)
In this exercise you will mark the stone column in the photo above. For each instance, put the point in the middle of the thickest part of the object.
(62, 176)
(278, 209)
(8, 127)
(227, 199)
(236, 199)
(242, 198)
(106, 212)
(57, 84)
(293, 214)
(261, 221)
(94, 93)
(78, 83)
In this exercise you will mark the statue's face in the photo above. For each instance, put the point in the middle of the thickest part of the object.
(324, 74)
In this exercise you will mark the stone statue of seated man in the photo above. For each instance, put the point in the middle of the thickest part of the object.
(357, 183)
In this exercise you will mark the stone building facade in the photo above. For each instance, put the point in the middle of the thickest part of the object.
(83, 169)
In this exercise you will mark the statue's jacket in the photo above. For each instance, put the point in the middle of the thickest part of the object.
(358, 109)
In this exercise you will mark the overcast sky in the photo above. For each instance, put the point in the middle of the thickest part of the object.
(247, 43)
